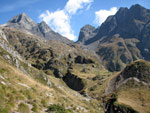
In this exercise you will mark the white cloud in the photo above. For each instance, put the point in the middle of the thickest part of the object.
(102, 15)
(60, 20)
(73, 5)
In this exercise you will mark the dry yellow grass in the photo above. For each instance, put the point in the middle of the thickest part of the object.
(60, 92)
(137, 98)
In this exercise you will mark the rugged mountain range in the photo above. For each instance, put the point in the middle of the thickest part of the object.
(42, 75)
(24, 22)
(122, 38)
(41, 71)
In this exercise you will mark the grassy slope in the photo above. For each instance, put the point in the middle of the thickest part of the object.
(136, 96)
(61, 53)
(133, 94)
(19, 91)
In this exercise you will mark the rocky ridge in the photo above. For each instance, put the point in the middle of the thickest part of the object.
(122, 38)
(25, 23)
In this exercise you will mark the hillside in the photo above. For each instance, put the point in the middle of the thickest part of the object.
(26, 89)
(68, 70)
(131, 87)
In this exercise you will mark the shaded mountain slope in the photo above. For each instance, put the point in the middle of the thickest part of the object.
(86, 33)
(122, 38)
(127, 23)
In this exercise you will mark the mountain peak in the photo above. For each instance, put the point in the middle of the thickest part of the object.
(88, 27)
(21, 21)
(86, 33)
(43, 23)
(140, 13)
(44, 28)
(137, 6)
(21, 18)
(23, 14)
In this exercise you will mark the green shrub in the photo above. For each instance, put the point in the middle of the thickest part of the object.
(2, 70)
(44, 102)
(58, 109)
(23, 108)
(35, 108)
(5, 110)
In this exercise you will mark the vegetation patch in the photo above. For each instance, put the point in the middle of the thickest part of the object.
(23, 108)
(55, 108)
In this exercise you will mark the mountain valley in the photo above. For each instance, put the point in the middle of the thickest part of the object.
(106, 71)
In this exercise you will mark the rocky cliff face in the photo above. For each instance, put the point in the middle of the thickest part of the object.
(127, 23)
(73, 81)
(86, 33)
(25, 23)
(128, 27)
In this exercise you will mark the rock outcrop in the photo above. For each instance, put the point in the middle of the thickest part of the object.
(73, 81)
(86, 33)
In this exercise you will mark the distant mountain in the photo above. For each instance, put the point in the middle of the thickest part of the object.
(86, 33)
(127, 23)
(24, 22)
(122, 38)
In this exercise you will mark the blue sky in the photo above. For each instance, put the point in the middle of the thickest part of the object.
(66, 16)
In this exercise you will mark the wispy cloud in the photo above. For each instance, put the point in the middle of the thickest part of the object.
(101, 15)
(16, 5)
(59, 20)
(73, 6)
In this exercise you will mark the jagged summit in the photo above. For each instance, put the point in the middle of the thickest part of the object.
(136, 6)
(86, 33)
(20, 18)
(126, 22)
(21, 21)
(25, 23)
(88, 26)
(126, 34)
(44, 28)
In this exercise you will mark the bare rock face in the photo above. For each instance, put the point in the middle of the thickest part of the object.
(25, 23)
(49, 34)
(128, 23)
(73, 81)
(83, 60)
(86, 33)
(44, 28)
